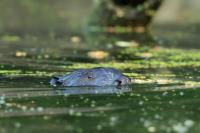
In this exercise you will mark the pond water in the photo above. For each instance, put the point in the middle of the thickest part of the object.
(164, 95)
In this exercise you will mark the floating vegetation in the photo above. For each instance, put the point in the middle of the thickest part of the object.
(20, 54)
(10, 38)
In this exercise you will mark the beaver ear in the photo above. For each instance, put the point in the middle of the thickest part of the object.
(55, 81)
(90, 75)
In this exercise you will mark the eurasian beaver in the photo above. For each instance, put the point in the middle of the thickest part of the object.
(92, 77)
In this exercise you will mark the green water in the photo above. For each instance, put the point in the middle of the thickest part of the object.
(164, 95)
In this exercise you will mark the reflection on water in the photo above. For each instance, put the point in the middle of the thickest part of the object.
(70, 91)
(94, 90)
(39, 92)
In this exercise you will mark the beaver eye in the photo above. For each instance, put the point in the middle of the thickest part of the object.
(90, 77)
(119, 82)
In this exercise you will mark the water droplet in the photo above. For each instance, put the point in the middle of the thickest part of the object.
(2, 101)
(181, 93)
(113, 120)
(71, 112)
(141, 102)
(99, 127)
(78, 114)
(165, 93)
(188, 123)
(151, 129)
(40, 109)
(24, 108)
(17, 124)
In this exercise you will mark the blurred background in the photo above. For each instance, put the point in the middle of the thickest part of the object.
(62, 19)
(97, 24)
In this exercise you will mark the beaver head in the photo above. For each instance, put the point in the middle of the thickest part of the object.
(92, 77)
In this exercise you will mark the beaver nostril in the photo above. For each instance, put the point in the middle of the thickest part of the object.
(58, 83)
